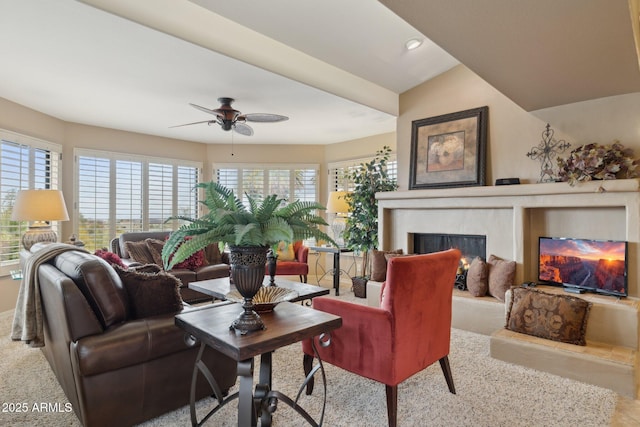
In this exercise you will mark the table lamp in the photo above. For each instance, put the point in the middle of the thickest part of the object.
(337, 204)
(39, 207)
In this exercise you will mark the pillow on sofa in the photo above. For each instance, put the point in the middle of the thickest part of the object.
(192, 263)
(477, 276)
(501, 275)
(379, 264)
(139, 252)
(151, 294)
(555, 317)
(110, 257)
(285, 252)
(212, 255)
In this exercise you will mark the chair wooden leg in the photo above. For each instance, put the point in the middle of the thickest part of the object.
(303, 278)
(392, 404)
(446, 370)
(307, 364)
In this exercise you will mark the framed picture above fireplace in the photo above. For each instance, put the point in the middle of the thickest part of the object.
(449, 150)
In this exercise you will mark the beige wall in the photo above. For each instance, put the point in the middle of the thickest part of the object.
(512, 130)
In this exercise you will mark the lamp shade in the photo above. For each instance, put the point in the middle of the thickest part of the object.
(337, 202)
(39, 205)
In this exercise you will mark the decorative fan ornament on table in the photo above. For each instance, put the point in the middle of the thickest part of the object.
(231, 119)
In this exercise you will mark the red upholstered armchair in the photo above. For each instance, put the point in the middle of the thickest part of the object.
(408, 332)
(295, 267)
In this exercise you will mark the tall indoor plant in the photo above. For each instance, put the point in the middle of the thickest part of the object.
(249, 232)
(361, 232)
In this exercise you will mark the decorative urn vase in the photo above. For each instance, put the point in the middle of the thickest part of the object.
(247, 270)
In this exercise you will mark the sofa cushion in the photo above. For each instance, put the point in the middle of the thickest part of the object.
(151, 294)
(212, 271)
(379, 264)
(137, 236)
(155, 249)
(129, 344)
(99, 283)
(110, 257)
(555, 317)
(501, 275)
(477, 283)
(139, 252)
(212, 254)
(285, 252)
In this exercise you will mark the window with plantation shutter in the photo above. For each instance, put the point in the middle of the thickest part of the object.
(290, 182)
(25, 163)
(117, 193)
(339, 172)
(94, 220)
(161, 194)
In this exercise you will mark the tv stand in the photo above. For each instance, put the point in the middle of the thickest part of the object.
(574, 290)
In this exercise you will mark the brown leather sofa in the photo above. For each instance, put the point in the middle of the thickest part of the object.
(115, 370)
(214, 269)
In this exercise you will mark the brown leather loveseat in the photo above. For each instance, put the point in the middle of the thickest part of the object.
(216, 264)
(114, 369)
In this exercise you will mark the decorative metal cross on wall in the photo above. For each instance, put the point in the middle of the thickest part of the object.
(547, 150)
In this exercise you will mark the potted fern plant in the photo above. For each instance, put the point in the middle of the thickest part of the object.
(361, 232)
(250, 233)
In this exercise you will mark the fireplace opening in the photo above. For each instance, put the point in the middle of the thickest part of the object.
(470, 245)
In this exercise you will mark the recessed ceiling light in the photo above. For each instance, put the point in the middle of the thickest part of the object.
(413, 43)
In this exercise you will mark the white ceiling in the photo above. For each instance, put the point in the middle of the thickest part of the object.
(335, 67)
(81, 64)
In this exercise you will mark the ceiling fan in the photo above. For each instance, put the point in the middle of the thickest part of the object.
(230, 119)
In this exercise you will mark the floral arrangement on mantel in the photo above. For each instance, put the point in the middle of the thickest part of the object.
(597, 162)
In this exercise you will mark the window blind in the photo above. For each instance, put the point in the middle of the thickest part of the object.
(25, 163)
(117, 193)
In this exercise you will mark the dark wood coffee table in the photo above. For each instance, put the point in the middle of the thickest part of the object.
(219, 288)
(286, 324)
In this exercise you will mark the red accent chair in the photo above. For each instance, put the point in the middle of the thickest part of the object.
(408, 332)
(297, 267)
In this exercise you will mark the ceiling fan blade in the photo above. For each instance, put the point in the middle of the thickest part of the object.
(206, 110)
(194, 123)
(264, 117)
(243, 129)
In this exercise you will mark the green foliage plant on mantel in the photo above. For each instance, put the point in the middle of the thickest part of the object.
(361, 232)
(597, 162)
(227, 221)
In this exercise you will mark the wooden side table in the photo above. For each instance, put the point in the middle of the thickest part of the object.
(286, 324)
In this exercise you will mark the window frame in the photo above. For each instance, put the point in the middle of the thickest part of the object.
(52, 180)
(113, 157)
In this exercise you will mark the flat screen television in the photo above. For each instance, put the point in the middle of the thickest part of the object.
(584, 265)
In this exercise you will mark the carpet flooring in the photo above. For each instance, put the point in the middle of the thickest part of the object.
(489, 393)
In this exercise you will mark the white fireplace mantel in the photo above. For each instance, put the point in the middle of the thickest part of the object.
(514, 216)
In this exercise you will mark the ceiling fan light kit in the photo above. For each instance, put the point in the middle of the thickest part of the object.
(231, 119)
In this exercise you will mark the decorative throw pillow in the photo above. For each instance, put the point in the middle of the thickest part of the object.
(110, 257)
(139, 252)
(555, 317)
(285, 252)
(379, 264)
(155, 249)
(151, 294)
(193, 262)
(477, 283)
(501, 275)
(212, 254)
